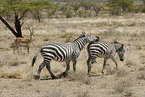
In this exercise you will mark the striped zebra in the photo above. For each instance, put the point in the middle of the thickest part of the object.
(62, 52)
(104, 50)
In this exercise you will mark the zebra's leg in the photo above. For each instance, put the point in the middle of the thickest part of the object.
(66, 70)
(74, 63)
(90, 61)
(113, 59)
(104, 64)
(49, 70)
(37, 76)
(89, 65)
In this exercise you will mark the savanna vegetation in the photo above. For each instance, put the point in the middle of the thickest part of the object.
(63, 22)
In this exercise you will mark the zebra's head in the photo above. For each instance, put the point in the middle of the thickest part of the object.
(90, 37)
(120, 50)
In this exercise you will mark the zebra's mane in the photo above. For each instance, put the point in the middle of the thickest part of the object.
(80, 37)
(121, 45)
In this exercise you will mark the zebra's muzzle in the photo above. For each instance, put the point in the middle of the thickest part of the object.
(121, 59)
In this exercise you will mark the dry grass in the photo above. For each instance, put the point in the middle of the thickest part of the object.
(83, 93)
(121, 73)
(141, 75)
(80, 77)
(128, 93)
(16, 73)
(121, 85)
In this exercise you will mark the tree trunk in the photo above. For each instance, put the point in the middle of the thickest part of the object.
(17, 26)
(38, 15)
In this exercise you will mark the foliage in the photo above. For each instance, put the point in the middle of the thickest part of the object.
(75, 6)
(117, 6)
(38, 5)
(84, 13)
(143, 1)
(69, 13)
(143, 9)
(78, 0)
(138, 8)
(18, 10)
(13, 5)
(97, 8)
(86, 5)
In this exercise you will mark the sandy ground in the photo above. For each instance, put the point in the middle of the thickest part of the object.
(16, 73)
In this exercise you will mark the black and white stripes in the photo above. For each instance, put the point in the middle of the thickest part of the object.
(104, 50)
(63, 52)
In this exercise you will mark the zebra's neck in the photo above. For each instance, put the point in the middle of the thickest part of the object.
(117, 46)
(81, 42)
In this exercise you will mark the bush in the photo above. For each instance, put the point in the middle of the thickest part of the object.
(109, 70)
(141, 75)
(143, 10)
(69, 14)
(121, 73)
(84, 13)
(128, 93)
(121, 85)
(120, 6)
(81, 77)
(138, 8)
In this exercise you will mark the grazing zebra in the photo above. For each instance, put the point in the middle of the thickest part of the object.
(104, 50)
(63, 52)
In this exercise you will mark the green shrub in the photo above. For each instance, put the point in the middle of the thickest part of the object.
(143, 10)
(69, 14)
(84, 13)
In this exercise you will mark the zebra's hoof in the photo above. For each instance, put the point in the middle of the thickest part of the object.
(36, 77)
(103, 73)
(54, 77)
(60, 76)
(65, 74)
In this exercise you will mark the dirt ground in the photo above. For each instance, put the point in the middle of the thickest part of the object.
(16, 73)
(99, 86)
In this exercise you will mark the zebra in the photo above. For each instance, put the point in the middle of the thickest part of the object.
(62, 52)
(104, 50)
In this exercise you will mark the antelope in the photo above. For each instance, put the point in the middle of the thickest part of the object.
(23, 42)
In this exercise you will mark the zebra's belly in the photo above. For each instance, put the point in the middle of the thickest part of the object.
(61, 60)
(103, 56)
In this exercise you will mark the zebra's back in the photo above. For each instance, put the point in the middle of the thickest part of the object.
(55, 51)
(100, 49)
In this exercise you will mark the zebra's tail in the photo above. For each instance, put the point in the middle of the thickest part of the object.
(34, 58)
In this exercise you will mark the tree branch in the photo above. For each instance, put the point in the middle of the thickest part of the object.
(12, 30)
(23, 14)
